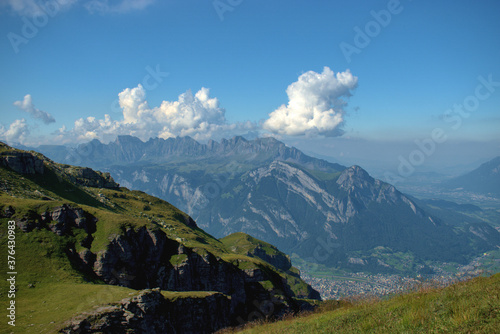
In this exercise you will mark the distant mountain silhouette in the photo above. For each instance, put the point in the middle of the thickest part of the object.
(484, 180)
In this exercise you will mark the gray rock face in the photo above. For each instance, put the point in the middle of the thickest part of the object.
(22, 162)
(64, 218)
(148, 259)
(150, 312)
(362, 188)
(285, 205)
(145, 259)
(60, 220)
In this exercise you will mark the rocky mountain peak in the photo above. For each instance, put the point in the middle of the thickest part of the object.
(355, 177)
(128, 140)
(238, 139)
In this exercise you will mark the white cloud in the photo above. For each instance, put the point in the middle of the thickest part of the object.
(119, 6)
(315, 105)
(134, 105)
(27, 105)
(17, 132)
(35, 7)
(191, 115)
(23, 7)
(198, 116)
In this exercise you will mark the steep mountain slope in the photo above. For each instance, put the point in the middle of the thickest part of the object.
(340, 219)
(323, 212)
(483, 180)
(127, 257)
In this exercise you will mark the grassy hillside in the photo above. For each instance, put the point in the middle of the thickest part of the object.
(465, 307)
(50, 287)
(49, 290)
(258, 250)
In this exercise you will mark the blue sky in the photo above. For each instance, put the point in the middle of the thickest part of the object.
(266, 65)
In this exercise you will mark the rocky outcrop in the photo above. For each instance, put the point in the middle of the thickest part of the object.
(63, 218)
(31, 163)
(60, 220)
(7, 212)
(22, 162)
(90, 178)
(146, 258)
(189, 315)
(150, 312)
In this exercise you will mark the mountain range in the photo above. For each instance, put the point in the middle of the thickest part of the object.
(90, 256)
(323, 212)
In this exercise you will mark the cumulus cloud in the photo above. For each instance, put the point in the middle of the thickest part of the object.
(134, 105)
(315, 105)
(27, 105)
(199, 116)
(17, 132)
(120, 6)
(191, 115)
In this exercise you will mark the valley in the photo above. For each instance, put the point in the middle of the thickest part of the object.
(338, 284)
(326, 215)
